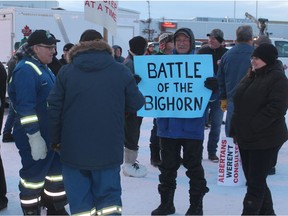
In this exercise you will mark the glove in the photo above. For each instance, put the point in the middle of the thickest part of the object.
(137, 78)
(56, 147)
(211, 83)
(223, 105)
(38, 146)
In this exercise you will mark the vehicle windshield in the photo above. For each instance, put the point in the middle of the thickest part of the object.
(282, 47)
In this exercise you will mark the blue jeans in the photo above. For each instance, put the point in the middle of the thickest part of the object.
(216, 118)
(230, 110)
(9, 121)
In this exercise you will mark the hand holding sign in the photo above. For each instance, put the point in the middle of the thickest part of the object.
(211, 83)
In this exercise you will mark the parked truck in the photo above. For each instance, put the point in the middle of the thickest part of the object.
(66, 26)
(280, 43)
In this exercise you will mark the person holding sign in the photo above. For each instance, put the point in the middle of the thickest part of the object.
(133, 122)
(258, 125)
(215, 48)
(186, 133)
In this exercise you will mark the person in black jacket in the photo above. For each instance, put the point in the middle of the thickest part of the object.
(3, 188)
(258, 125)
(131, 166)
(166, 48)
(66, 49)
(3, 81)
(213, 110)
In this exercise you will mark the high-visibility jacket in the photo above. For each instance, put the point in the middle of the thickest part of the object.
(28, 89)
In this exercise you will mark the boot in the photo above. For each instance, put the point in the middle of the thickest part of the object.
(3, 203)
(53, 211)
(167, 202)
(155, 155)
(33, 208)
(31, 211)
(267, 205)
(131, 167)
(196, 205)
(53, 205)
(251, 205)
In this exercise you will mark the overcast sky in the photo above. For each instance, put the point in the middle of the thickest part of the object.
(271, 10)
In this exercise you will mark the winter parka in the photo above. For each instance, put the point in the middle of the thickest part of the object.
(87, 107)
(178, 128)
(233, 67)
(260, 104)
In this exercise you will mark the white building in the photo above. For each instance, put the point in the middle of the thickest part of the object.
(30, 4)
(203, 25)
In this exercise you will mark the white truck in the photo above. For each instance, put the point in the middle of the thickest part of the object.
(66, 26)
(282, 46)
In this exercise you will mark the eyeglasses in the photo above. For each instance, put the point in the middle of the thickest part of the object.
(51, 48)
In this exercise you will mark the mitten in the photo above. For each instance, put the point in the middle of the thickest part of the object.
(38, 146)
(137, 78)
(211, 83)
(223, 105)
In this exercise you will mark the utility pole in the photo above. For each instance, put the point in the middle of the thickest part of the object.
(256, 9)
(149, 21)
(234, 10)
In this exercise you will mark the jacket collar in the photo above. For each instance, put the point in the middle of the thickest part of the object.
(97, 45)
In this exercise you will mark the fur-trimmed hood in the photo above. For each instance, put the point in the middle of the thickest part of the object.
(98, 45)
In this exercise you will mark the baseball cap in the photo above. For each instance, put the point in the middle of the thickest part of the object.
(150, 44)
(41, 37)
(218, 34)
(181, 31)
(166, 37)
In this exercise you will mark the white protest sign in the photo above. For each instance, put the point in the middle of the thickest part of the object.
(173, 85)
(230, 171)
(103, 13)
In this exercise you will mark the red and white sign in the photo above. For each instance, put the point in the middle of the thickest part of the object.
(230, 171)
(103, 13)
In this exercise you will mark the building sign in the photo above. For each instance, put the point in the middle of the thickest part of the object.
(173, 85)
(103, 13)
(172, 25)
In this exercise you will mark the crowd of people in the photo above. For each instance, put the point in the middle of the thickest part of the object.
(74, 153)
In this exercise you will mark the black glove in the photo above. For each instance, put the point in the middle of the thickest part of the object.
(137, 78)
(211, 83)
(56, 147)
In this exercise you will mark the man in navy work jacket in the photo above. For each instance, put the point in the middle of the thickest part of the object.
(87, 111)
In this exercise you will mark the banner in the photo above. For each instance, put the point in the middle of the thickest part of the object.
(103, 13)
(173, 85)
(230, 171)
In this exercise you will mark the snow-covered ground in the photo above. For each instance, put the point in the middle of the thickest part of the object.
(140, 195)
